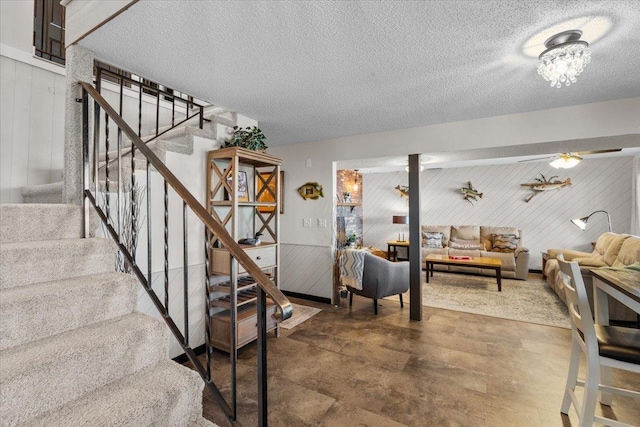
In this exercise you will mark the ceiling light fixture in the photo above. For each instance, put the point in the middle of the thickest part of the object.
(565, 58)
(566, 161)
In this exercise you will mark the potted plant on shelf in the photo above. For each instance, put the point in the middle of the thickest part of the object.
(250, 137)
(350, 241)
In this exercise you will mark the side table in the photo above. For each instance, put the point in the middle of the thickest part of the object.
(395, 244)
(545, 257)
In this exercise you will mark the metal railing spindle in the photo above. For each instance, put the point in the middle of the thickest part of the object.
(85, 162)
(120, 211)
(149, 257)
(262, 356)
(166, 247)
(233, 342)
(106, 170)
(185, 264)
(207, 294)
(157, 112)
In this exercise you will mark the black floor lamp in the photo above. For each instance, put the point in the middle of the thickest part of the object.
(582, 222)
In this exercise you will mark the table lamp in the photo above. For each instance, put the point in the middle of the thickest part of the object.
(401, 219)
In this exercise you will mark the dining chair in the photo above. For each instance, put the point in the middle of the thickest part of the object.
(604, 346)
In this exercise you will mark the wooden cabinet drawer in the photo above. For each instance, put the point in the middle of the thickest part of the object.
(264, 256)
(247, 326)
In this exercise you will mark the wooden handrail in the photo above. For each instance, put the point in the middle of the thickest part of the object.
(285, 310)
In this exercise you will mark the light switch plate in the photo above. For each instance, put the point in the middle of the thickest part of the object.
(306, 222)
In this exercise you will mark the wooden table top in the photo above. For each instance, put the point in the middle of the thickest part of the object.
(626, 281)
(476, 261)
(398, 243)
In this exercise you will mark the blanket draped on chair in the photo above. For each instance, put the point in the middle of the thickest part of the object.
(352, 267)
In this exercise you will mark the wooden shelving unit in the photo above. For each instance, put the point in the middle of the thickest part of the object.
(243, 210)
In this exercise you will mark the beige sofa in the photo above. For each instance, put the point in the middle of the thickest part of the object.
(611, 250)
(514, 264)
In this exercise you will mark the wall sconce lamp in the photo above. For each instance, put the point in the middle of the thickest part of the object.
(356, 180)
(401, 219)
(582, 222)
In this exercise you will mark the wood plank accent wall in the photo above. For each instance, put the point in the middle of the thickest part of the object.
(32, 128)
(306, 269)
(597, 184)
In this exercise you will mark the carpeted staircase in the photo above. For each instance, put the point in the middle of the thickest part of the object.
(73, 351)
(179, 139)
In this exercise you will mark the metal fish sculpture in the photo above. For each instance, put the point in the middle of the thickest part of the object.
(470, 194)
(403, 190)
(311, 190)
(544, 184)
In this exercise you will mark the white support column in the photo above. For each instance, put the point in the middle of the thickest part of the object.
(79, 65)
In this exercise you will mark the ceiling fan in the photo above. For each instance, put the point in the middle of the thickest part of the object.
(569, 159)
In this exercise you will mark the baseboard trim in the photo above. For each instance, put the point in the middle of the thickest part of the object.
(535, 271)
(183, 358)
(307, 297)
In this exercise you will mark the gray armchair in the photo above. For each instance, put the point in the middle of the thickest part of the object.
(382, 278)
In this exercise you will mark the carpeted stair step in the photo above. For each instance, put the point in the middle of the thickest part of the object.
(163, 394)
(43, 193)
(26, 263)
(32, 222)
(29, 313)
(202, 422)
(157, 147)
(45, 374)
(182, 141)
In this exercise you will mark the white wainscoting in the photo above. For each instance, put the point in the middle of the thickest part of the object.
(176, 303)
(597, 184)
(31, 128)
(306, 269)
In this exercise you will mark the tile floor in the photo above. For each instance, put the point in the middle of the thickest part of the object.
(347, 367)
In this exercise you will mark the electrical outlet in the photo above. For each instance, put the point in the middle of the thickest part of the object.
(306, 222)
(322, 222)
(307, 163)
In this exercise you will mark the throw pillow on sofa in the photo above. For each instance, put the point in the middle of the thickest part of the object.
(432, 239)
(504, 243)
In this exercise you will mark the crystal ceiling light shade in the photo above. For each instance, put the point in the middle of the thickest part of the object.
(565, 58)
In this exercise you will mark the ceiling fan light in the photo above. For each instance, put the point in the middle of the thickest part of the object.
(565, 162)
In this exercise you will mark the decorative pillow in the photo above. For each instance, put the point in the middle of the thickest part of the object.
(466, 244)
(432, 240)
(504, 242)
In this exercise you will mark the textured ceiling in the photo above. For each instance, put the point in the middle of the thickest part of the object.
(312, 70)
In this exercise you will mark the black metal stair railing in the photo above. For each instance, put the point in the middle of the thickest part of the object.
(114, 227)
(147, 91)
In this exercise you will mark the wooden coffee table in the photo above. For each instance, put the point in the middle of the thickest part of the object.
(479, 262)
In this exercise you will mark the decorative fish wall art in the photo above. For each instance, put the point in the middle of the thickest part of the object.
(470, 194)
(403, 190)
(544, 184)
(311, 190)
